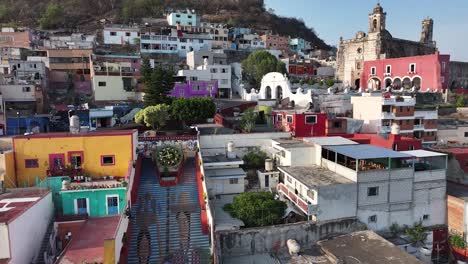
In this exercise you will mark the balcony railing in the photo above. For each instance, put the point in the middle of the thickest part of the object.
(388, 115)
(298, 201)
(62, 171)
(418, 127)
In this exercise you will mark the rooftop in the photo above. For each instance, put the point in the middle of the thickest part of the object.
(365, 247)
(367, 152)
(457, 190)
(420, 153)
(99, 184)
(87, 246)
(330, 141)
(219, 158)
(15, 202)
(292, 143)
(315, 176)
(226, 173)
(87, 134)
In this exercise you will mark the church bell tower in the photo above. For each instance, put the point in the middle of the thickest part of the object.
(377, 20)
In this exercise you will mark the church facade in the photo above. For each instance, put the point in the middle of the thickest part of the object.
(378, 44)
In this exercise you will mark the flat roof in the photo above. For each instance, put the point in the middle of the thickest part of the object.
(87, 246)
(365, 247)
(362, 151)
(220, 158)
(420, 153)
(227, 173)
(313, 176)
(292, 143)
(457, 190)
(15, 202)
(87, 134)
(330, 141)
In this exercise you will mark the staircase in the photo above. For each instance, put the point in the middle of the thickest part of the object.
(45, 244)
(166, 221)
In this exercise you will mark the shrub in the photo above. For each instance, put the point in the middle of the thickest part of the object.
(460, 101)
(255, 159)
(329, 82)
(457, 241)
(417, 233)
(311, 82)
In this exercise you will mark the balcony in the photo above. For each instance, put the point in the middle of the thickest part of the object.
(399, 101)
(298, 201)
(418, 127)
(388, 115)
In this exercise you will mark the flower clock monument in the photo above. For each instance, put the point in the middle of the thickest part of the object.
(169, 163)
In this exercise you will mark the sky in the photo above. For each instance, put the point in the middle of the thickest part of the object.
(334, 18)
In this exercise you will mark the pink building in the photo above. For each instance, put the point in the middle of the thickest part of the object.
(425, 73)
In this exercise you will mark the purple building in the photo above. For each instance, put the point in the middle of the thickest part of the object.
(195, 89)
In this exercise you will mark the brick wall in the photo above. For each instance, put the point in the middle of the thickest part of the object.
(455, 208)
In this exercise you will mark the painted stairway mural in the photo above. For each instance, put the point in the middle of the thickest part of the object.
(166, 225)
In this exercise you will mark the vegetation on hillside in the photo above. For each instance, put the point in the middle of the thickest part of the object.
(84, 13)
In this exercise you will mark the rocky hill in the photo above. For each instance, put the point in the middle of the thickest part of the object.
(79, 14)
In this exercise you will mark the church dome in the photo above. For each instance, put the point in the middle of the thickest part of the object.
(378, 8)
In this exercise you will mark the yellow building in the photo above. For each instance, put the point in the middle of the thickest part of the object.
(97, 154)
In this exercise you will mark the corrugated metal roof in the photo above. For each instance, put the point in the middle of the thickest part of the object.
(420, 153)
(330, 141)
(367, 152)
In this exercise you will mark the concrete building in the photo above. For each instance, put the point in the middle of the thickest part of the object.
(121, 34)
(214, 72)
(223, 174)
(301, 68)
(116, 78)
(73, 41)
(219, 32)
(197, 58)
(426, 73)
(175, 43)
(183, 18)
(276, 42)
(381, 112)
(457, 208)
(377, 44)
(249, 42)
(377, 185)
(15, 39)
(300, 47)
(20, 240)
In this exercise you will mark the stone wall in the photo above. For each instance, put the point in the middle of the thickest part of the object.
(271, 239)
(458, 75)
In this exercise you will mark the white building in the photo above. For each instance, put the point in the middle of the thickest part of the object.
(121, 34)
(379, 113)
(20, 240)
(197, 58)
(377, 185)
(73, 41)
(220, 73)
(174, 44)
(223, 174)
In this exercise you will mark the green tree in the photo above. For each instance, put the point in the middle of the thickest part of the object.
(259, 63)
(158, 86)
(53, 17)
(255, 159)
(460, 101)
(248, 120)
(329, 82)
(153, 116)
(256, 209)
(193, 109)
(4, 11)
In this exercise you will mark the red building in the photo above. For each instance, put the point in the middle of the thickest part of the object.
(308, 124)
(422, 72)
(300, 67)
(395, 142)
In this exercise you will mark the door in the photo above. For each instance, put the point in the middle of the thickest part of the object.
(267, 181)
(112, 205)
(57, 160)
(219, 188)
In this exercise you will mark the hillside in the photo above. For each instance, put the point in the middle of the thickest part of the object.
(53, 14)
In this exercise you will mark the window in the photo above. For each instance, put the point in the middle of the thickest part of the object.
(337, 124)
(359, 50)
(31, 163)
(177, 15)
(311, 119)
(289, 179)
(26, 89)
(279, 118)
(102, 84)
(372, 219)
(388, 69)
(372, 191)
(466, 134)
(373, 70)
(127, 34)
(76, 158)
(182, 47)
(181, 93)
(112, 204)
(407, 122)
(443, 66)
(193, 78)
(189, 16)
(107, 160)
(113, 33)
(234, 181)
(81, 206)
(358, 65)
(401, 108)
(426, 217)
(442, 79)
(289, 119)
(210, 87)
(412, 67)
(224, 81)
(224, 70)
(196, 87)
(212, 70)
(311, 194)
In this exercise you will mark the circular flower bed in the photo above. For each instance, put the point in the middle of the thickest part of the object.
(168, 156)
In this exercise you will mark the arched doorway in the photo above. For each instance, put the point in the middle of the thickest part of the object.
(268, 92)
(396, 83)
(388, 83)
(279, 92)
(374, 84)
(357, 83)
(416, 83)
(407, 83)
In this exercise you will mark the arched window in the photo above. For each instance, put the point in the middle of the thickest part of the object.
(388, 83)
(417, 83)
(407, 83)
(268, 92)
(279, 92)
(396, 83)
(374, 24)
